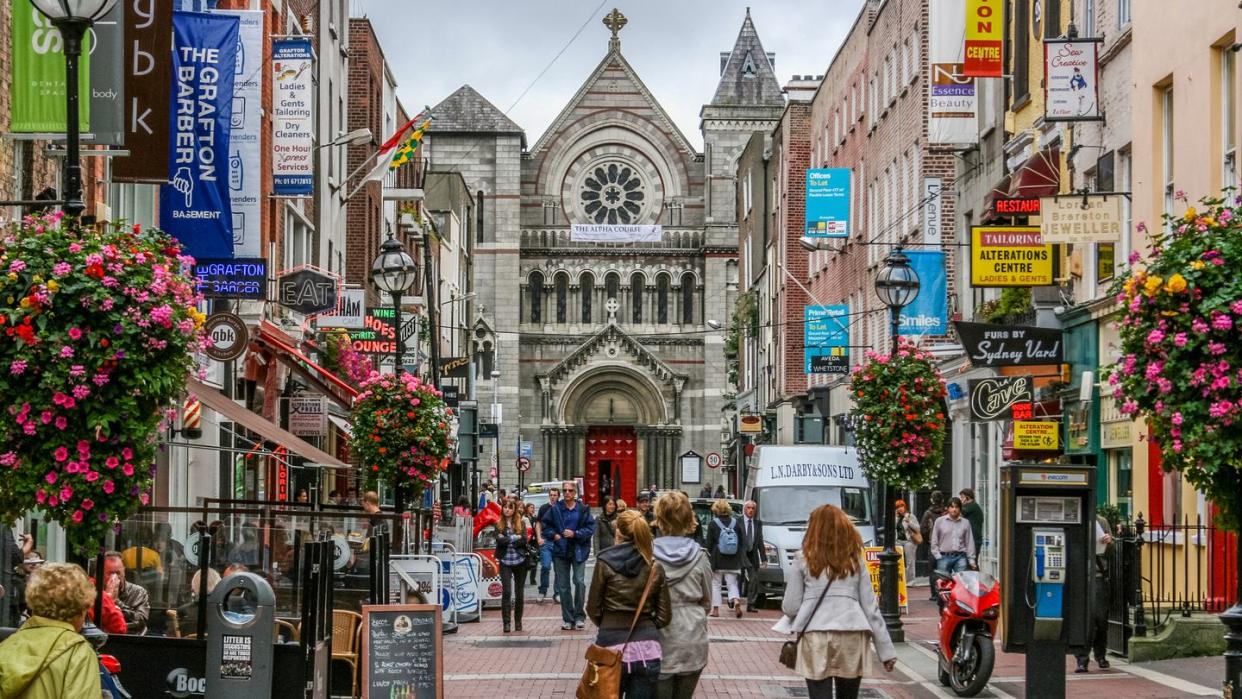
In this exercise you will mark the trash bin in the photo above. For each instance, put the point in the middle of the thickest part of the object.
(241, 621)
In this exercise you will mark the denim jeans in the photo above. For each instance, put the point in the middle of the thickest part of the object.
(952, 563)
(572, 606)
(638, 679)
(513, 592)
(545, 566)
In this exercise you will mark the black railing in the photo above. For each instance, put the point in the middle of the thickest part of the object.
(1187, 568)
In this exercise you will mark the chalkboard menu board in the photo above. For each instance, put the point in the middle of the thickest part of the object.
(401, 652)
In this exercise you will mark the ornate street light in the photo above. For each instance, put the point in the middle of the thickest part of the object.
(897, 285)
(394, 271)
(73, 18)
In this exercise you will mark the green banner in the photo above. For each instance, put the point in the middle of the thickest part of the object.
(39, 74)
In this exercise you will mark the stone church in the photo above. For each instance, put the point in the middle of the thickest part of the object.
(608, 353)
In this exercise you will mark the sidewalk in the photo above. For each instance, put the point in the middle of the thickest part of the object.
(544, 662)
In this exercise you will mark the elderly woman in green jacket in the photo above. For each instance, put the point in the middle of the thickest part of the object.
(47, 658)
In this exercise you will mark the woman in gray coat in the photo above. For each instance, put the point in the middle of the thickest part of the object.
(688, 572)
(841, 621)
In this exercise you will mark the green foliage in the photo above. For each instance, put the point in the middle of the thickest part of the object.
(401, 431)
(745, 323)
(1013, 302)
(99, 327)
(1181, 351)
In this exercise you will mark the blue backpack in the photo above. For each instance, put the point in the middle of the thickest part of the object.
(727, 543)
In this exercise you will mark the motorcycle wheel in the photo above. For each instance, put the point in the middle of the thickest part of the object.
(943, 674)
(969, 679)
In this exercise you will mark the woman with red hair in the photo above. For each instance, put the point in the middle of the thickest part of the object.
(829, 599)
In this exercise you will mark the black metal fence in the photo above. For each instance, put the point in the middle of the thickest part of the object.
(1158, 572)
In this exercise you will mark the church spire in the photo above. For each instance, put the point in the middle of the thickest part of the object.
(615, 21)
(748, 73)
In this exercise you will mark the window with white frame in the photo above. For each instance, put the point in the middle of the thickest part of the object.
(746, 193)
(1088, 18)
(906, 67)
(916, 57)
(1123, 13)
(1229, 117)
(1122, 178)
(1166, 148)
(889, 93)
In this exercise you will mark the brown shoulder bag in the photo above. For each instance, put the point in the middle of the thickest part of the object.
(602, 677)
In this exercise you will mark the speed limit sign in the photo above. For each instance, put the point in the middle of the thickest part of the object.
(523, 464)
(714, 460)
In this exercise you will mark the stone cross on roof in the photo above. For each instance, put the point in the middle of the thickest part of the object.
(615, 21)
(612, 306)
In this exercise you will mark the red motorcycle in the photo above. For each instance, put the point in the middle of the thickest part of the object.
(969, 610)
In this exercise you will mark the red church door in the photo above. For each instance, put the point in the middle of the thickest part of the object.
(611, 465)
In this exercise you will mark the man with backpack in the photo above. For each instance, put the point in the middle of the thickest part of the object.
(724, 545)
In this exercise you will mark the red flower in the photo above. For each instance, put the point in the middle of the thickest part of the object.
(95, 270)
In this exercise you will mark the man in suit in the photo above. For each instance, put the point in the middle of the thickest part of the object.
(752, 530)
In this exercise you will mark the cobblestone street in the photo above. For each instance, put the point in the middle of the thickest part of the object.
(544, 662)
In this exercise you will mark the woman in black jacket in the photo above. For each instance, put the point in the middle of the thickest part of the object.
(727, 555)
(606, 526)
(511, 550)
(617, 585)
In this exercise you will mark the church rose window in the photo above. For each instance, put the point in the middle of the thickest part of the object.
(613, 193)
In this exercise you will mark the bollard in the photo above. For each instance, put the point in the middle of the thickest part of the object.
(241, 621)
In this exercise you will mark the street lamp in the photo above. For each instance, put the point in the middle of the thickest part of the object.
(72, 18)
(897, 285)
(394, 271)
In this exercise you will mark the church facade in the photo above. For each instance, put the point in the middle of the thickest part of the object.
(608, 354)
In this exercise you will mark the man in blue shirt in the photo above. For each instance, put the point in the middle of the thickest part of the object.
(570, 527)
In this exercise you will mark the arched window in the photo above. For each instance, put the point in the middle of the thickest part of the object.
(662, 285)
(687, 299)
(612, 285)
(562, 297)
(536, 297)
(638, 284)
(587, 283)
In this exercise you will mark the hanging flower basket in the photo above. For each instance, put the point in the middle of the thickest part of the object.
(899, 425)
(97, 332)
(401, 431)
(1181, 347)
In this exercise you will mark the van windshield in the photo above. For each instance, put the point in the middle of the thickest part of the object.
(791, 505)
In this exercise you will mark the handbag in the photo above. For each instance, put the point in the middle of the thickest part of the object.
(789, 649)
(916, 535)
(602, 677)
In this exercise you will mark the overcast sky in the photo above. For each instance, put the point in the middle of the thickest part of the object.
(500, 46)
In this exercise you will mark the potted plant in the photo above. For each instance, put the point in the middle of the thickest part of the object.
(401, 432)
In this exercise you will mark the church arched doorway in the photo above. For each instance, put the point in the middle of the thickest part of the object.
(610, 405)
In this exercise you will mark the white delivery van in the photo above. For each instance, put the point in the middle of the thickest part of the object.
(790, 481)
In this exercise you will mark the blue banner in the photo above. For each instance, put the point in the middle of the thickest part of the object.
(929, 313)
(826, 339)
(195, 206)
(828, 203)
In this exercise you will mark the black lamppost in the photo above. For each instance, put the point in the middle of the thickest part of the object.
(73, 18)
(897, 285)
(394, 271)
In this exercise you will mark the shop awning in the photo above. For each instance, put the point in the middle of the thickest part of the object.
(342, 424)
(318, 377)
(220, 403)
(1039, 176)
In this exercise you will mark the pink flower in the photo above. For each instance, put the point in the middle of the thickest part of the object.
(60, 455)
(75, 333)
(40, 496)
(16, 266)
(50, 478)
(1198, 326)
(1155, 337)
(128, 469)
(66, 351)
(1220, 321)
(45, 417)
(77, 516)
(91, 476)
(88, 504)
(109, 487)
(127, 453)
(17, 367)
(66, 493)
(60, 269)
(1181, 339)
(112, 462)
(1176, 419)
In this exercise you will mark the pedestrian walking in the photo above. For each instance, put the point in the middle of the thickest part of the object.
(511, 554)
(47, 658)
(829, 601)
(909, 536)
(720, 492)
(705, 492)
(952, 542)
(572, 528)
(531, 542)
(606, 525)
(1101, 585)
(973, 514)
(629, 620)
(724, 545)
(934, 512)
(545, 544)
(752, 529)
(688, 575)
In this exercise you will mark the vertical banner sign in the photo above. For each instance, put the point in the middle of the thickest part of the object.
(828, 203)
(148, 79)
(194, 205)
(952, 100)
(933, 231)
(245, 125)
(985, 30)
(39, 74)
(108, 79)
(1071, 80)
(293, 122)
(928, 314)
(826, 339)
